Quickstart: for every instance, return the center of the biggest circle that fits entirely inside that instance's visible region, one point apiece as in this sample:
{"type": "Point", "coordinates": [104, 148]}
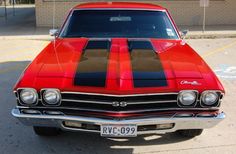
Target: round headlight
{"type": "Point", "coordinates": [187, 98]}
{"type": "Point", "coordinates": [209, 98]}
{"type": "Point", "coordinates": [52, 97]}
{"type": "Point", "coordinates": [28, 96]}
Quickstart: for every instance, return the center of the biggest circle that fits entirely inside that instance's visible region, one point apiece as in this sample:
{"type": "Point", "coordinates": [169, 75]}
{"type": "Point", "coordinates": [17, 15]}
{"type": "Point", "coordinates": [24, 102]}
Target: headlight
{"type": "Point", "coordinates": [52, 96]}
{"type": "Point", "coordinates": [187, 98]}
{"type": "Point", "coordinates": [28, 96]}
{"type": "Point", "coordinates": [209, 98]}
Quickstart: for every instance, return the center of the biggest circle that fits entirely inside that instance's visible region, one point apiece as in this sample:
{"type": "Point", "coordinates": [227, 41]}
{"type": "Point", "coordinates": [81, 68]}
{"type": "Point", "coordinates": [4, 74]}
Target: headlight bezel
{"type": "Point", "coordinates": [217, 103]}
{"type": "Point", "coordinates": [194, 104]}
{"type": "Point", "coordinates": [44, 102]}
{"type": "Point", "coordinates": [20, 100]}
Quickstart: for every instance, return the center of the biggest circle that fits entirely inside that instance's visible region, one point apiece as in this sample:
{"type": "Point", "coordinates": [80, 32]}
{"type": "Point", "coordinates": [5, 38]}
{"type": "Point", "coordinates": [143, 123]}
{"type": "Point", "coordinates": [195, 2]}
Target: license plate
{"type": "Point", "coordinates": [118, 130]}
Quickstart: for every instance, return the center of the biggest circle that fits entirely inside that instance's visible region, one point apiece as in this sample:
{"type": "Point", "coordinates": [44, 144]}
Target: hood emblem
{"type": "Point", "coordinates": [194, 83]}
{"type": "Point", "coordinates": [119, 104]}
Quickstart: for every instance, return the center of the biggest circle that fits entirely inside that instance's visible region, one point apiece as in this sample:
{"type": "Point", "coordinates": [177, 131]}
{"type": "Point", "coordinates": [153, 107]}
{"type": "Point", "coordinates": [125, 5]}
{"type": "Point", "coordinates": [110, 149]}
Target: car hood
{"type": "Point", "coordinates": [119, 66]}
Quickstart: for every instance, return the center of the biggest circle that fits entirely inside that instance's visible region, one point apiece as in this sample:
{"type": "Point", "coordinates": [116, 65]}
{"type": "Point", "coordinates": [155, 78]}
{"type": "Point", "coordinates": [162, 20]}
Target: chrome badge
{"type": "Point", "coordinates": [119, 104]}
{"type": "Point", "coordinates": [194, 83]}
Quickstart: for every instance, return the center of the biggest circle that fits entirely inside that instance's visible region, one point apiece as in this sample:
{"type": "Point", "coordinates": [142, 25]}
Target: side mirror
{"type": "Point", "coordinates": [53, 32]}
{"type": "Point", "coordinates": [184, 33]}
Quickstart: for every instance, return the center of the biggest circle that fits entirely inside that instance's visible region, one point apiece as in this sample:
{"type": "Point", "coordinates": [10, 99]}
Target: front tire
{"type": "Point", "coordinates": [46, 131]}
{"type": "Point", "coordinates": [190, 132]}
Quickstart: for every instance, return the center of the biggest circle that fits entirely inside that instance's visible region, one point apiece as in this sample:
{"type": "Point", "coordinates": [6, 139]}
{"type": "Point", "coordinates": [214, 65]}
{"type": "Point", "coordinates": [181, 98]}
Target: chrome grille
{"type": "Point", "coordinates": [102, 102]}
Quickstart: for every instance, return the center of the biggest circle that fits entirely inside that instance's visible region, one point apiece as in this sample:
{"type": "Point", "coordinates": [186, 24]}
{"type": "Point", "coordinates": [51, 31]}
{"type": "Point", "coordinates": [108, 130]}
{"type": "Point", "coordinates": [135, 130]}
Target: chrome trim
{"type": "Point", "coordinates": [110, 103]}
{"type": "Point", "coordinates": [85, 101]}
{"type": "Point", "coordinates": [152, 102]}
{"type": "Point", "coordinates": [64, 25]}
{"type": "Point", "coordinates": [22, 103]}
{"type": "Point", "coordinates": [132, 111]}
{"type": "Point", "coordinates": [30, 111]}
{"type": "Point", "coordinates": [194, 104]}
{"type": "Point", "coordinates": [114, 95]}
{"type": "Point", "coordinates": [141, 9]}
{"type": "Point", "coordinates": [22, 107]}
{"type": "Point", "coordinates": [183, 115]}
{"type": "Point", "coordinates": [205, 115]}
{"type": "Point", "coordinates": [173, 25]}
{"type": "Point", "coordinates": [180, 123]}
{"type": "Point", "coordinates": [219, 100]}
{"type": "Point", "coordinates": [42, 97]}
{"type": "Point", "coordinates": [53, 112]}
{"type": "Point", "coordinates": [100, 39]}
{"type": "Point", "coordinates": [78, 129]}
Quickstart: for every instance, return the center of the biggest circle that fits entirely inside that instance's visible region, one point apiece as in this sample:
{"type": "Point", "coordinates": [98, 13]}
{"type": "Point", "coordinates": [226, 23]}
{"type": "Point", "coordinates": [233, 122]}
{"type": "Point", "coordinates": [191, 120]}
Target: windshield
{"type": "Point", "coordinates": [119, 23]}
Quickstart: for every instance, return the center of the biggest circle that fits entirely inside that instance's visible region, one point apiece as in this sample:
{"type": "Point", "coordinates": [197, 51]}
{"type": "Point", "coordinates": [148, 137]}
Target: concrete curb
{"type": "Point", "coordinates": [28, 37]}
{"type": "Point", "coordinates": [210, 36]}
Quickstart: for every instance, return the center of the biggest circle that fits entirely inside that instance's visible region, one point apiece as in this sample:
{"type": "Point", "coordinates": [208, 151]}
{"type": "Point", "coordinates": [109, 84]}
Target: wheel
{"type": "Point", "coordinates": [190, 132]}
{"type": "Point", "coordinates": [47, 131]}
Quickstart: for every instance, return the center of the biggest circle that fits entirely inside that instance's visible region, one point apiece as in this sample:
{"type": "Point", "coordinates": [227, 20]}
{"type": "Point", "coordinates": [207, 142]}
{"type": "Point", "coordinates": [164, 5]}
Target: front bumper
{"type": "Point", "coordinates": [180, 123]}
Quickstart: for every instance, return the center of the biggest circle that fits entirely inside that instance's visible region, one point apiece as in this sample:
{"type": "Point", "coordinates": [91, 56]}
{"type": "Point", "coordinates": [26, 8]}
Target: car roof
{"type": "Point", "coordinates": [126, 5]}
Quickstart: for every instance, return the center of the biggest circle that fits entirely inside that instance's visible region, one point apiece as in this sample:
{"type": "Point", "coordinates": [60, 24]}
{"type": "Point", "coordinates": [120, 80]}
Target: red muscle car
{"type": "Point", "coordinates": [119, 69]}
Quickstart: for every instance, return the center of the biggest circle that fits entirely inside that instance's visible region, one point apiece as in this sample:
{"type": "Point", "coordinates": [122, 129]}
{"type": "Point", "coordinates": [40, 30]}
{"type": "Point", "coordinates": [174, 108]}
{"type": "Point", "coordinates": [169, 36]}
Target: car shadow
{"type": "Point", "coordinates": [141, 140]}
{"type": "Point", "coordinates": [90, 142]}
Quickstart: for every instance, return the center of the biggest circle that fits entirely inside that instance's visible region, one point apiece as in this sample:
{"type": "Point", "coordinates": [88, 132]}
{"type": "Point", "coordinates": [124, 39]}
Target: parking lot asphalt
{"type": "Point", "coordinates": [15, 55]}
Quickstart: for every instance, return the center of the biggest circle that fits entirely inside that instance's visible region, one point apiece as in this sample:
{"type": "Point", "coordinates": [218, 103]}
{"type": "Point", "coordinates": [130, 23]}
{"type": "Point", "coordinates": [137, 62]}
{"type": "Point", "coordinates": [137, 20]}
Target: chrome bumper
{"type": "Point", "coordinates": [179, 122]}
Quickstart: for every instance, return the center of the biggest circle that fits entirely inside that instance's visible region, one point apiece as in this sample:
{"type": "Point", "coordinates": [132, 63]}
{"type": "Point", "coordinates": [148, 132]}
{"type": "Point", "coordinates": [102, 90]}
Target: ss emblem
{"type": "Point", "coordinates": [119, 104]}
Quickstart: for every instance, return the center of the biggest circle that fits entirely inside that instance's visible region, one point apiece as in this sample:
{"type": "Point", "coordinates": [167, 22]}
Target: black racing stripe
{"type": "Point", "coordinates": [140, 45]}
{"type": "Point", "coordinates": [98, 44]}
{"type": "Point", "coordinates": [146, 65]}
{"type": "Point", "coordinates": [92, 68]}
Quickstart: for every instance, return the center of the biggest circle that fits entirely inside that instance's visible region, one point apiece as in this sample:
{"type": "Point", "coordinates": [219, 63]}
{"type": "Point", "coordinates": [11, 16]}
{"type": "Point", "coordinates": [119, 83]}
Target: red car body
{"type": "Point", "coordinates": [58, 69]}
{"type": "Point", "coordinates": [56, 66]}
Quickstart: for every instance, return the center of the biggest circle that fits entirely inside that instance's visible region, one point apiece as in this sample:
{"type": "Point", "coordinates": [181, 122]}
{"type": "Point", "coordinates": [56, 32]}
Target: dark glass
{"type": "Point", "coordinates": [119, 23]}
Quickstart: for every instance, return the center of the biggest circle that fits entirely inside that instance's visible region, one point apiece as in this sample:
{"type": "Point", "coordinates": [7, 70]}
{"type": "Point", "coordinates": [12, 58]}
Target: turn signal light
{"type": "Point", "coordinates": [165, 126]}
